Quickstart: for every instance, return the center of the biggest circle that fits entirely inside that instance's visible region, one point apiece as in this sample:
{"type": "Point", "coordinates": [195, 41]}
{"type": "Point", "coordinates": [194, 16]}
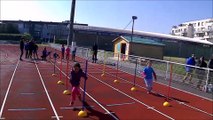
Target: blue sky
{"type": "Point", "coordinates": [153, 15]}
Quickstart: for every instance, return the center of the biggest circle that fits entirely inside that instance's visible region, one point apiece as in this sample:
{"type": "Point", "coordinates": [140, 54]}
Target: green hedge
{"type": "Point", "coordinates": [11, 36]}
{"type": "Point", "coordinates": [61, 41]}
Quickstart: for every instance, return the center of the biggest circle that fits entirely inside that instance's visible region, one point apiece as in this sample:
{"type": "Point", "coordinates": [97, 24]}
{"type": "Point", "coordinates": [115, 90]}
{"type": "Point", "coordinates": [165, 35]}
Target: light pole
{"type": "Point", "coordinates": [70, 39]}
{"type": "Point", "coordinates": [133, 22]}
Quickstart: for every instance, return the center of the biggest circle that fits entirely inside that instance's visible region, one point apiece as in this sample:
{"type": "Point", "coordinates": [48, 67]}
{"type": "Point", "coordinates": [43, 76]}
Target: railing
{"type": "Point", "coordinates": [197, 78]}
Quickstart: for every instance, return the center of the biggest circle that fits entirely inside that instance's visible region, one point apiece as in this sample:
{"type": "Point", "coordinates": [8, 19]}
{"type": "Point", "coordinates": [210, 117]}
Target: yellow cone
{"type": "Point", "coordinates": [166, 104]}
{"type": "Point", "coordinates": [133, 89]}
{"type": "Point", "coordinates": [67, 92]}
{"type": "Point", "coordinates": [116, 81]}
{"type": "Point", "coordinates": [82, 113]}
{"type": "Point", "coordinates": [60, 82]}
{"type": "Point", "coordinates": [53, 74]}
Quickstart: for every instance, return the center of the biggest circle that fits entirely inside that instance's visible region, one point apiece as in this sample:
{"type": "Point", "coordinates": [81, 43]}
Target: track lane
{"type": "Point", "coordinates": [26, 98]}
{"type": "Point", "coordinates": [112, 96]}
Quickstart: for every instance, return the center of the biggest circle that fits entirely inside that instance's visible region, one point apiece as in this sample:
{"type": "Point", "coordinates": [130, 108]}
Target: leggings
{"type": "Point", "coordinates": [75, 91]}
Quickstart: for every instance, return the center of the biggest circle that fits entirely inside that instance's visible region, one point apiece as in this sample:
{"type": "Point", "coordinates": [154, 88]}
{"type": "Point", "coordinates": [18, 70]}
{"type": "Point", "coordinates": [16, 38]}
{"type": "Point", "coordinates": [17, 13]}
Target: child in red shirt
{"type": "Point", "coordinates": [68, 53]}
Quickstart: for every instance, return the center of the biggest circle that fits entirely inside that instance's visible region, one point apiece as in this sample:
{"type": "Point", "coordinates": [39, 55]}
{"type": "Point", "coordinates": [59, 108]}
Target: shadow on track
{"type": "Point", "coordinates": [93, 112]}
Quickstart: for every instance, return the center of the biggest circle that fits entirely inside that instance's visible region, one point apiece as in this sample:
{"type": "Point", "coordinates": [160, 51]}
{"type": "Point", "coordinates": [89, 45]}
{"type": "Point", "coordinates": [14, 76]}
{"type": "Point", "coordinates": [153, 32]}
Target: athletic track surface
{"type": "Point", "coordinates": [30, 92]}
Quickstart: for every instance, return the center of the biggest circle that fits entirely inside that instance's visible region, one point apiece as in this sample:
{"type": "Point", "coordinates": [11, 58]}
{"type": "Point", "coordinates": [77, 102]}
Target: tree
{"type": "Point", "coordinates": [27, 36]}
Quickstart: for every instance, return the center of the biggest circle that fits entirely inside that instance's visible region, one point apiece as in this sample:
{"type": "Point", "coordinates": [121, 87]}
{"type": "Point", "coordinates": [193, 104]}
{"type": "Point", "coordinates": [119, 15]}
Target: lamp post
{"type": "Point", "coordinates": [70, 39]}
{"type": "Point", "coordinates": [133, 22]}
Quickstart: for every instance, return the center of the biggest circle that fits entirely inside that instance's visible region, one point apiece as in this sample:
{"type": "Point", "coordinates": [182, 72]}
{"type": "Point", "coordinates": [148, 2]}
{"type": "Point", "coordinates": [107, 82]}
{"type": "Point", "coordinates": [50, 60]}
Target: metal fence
{"type": "Point", "coordinates": [197, 78]}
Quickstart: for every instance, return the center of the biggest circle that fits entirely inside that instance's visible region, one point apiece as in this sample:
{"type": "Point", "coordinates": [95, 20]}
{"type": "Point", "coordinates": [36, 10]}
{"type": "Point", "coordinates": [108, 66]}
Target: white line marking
{"type": "Point", "coordinates": [53, 117]}
{"type": "Point", "coordinates": [90, 96]}
{"type": "Point", "coordinates": [192, 107]}
{"type": "Point", "coordinates": [42, 81]}
{"type": "Point", "coordinates": [211, 100]}
{"type": "Point", "coordinates": [27, 93]}
{"type": "Point", "coordinates": [108, 113]}
{"type": "Point", "coordinates": [131, 97]}
{"type": "Point", "coordinates": [78, 107]}
{"type": "Point", "coordinates": [120, 104]}
{"type": "Point", "coordinates": [8, 89]}
{"type": "Point", "coordinates": [26, 109]}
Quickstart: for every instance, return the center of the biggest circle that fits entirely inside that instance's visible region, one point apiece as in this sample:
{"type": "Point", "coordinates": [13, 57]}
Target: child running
{"type": "Point", "coordinates": [76, 75]}
{"type": "Point", "coordinates": [147, 74]}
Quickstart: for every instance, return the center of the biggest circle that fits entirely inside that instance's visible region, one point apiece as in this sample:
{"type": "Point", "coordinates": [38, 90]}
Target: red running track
{"type": "Point", "coordinates": [28, 99]}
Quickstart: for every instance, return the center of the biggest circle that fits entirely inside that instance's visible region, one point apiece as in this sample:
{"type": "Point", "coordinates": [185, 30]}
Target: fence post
{"type": "Point", "coordinates": [207, 80]}
{"type": "Point", "coordinates": [167, 69]}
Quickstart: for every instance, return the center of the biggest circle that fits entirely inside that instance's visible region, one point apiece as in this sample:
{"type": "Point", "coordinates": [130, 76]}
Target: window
{"type": "Point", "coordinates": [198, 24]}
{"type": "Point", "coordinates": [209, 27]}
{"type": "Point", "coordinates": [185, 30]}
{"type": "Point", "coordinates": [202, 24]}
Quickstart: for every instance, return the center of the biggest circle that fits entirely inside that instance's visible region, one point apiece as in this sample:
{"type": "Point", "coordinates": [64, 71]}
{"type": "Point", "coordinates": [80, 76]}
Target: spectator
{"type": "Point", "coordinates": [210, 65]}
{"type": "Point", "coordinates": [45, 54]}
{"type": "Point", "coordinates": [31, 46]}
{"type": "Point", "coordinates": [201, 72]}
{"type": "Point", "coordinates": [95, 52]}
{"type": "Point", "coordinates": [189, 70]}
{"type": "Point", "coordinates": [26, 49]}
{"type": "Point", "coordinates": [68, 53]}
{"type": "Point", "coordinates": [35, 51]}
{"type": "Point", "coordinates": [21, 48]}
{"type": "Point", "coordinates": [62, 51]}
{"type": "Point", "coordinates": [73, 53]}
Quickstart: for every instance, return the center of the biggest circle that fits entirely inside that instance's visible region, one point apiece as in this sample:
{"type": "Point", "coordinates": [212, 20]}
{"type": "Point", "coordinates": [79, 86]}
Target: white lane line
{"type": "Point", "coordinates": [192, 107]}
{"type": "Point", "coordinates": [90, 96]}
{"type": "Point", "coordinates": [78, 107]}
{"type": "Point", "coordinates": [120, 104]}
{"type": "Point", "coordinates": [187, 105]}
{"type": "Point", "coordinates": [8, 89]}
{"type": "Point", "coordinates": [26, 109]}
{"type": "Point", "coordinates": [211, 100]}
{"type": "Point", "coordinates": [165, 115]}
{"type": "Point", "coordinates": [54, 117]}
{"type": "Point", "coordinates": [51, 103]}
{"type": "Point", "coordinates": [26, 93]}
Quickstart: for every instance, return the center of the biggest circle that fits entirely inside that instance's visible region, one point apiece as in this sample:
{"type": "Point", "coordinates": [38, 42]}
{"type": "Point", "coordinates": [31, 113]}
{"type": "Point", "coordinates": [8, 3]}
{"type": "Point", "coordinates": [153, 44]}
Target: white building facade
{"type": "Point", "coordinates": [200, 29]}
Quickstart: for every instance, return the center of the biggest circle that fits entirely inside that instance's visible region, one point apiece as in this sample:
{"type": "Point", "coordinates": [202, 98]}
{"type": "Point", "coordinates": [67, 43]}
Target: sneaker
{"type": "Point", "coordinates": [79, 97]}
{"type": "Point", "coordinates": [71, 103]}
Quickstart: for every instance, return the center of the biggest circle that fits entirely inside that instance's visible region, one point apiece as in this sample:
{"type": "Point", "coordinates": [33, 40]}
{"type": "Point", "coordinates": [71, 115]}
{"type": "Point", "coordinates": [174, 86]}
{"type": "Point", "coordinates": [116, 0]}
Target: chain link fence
{"type": "Point", "coordinates": [196, 78]}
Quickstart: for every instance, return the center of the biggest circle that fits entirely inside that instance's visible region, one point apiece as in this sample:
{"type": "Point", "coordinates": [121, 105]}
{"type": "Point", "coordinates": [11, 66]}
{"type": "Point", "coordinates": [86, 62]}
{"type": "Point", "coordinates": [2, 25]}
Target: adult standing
{"type": "Point", "coordinates": [201, 72]}
{"type": "Point", "coordinates": [31, 47]}
{"type": "Point", "coordinates": [189, 70]}
{"type": "Point", "coordinates": [95, 52]}
{"type": "Point", "coordinates": [26, 49]}
{"type": "Point", "coordinates": [35, 50]}
{"type": "Point", "coordinates": [21, 48]}
{"type": "Point", "coordinates": [210, 65]}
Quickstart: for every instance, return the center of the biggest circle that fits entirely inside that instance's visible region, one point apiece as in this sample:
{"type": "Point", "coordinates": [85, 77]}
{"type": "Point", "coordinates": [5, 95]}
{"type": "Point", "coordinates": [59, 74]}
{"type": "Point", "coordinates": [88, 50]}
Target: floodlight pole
{"type": "Point", "coordinates": [71, 31]}
{"type": "Point", "coordinates": [133, 22]}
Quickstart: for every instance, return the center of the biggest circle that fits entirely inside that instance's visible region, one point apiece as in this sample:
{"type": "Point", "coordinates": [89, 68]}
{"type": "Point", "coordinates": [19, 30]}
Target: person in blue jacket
{"type": "Point", "coordinates": [189, 70]}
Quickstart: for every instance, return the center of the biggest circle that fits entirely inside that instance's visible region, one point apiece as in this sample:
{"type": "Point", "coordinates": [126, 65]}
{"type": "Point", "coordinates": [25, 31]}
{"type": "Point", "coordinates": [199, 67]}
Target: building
{"type": "Point", "coordinates": [200, 29]}
{"type": "Point", "coordinates": [40, 30]}
{"type": "Point", "coordinates": [86, 36]}
{"type": "Point", "coordinates": [138, 46]}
